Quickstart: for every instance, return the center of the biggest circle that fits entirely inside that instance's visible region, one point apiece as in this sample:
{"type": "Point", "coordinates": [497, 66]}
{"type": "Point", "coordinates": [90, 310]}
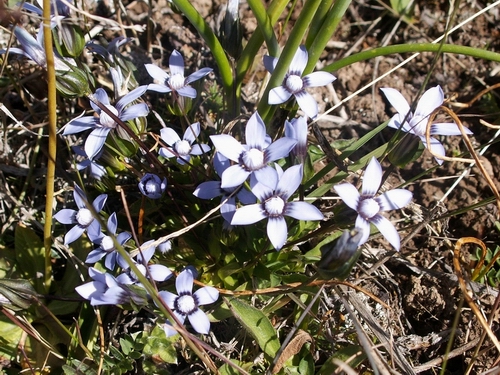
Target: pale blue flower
{"type": "Point", "coordinates": [107, 247]}
{"type": "Point", "coordinates": [102, 123]}
{"type": "Point", "coordinates": [96, 171]}
{"type": "Point", "coordinates": [34, 49]}
{"type": "Point", "coordinates": [416, 123]}
{"type": "Point", "coordinates": [186, 303]}
{"type": "Point", "coordinates": [369, 207]}
{"type": "Point", "coordinates": [294, 84]}
{"type": "Point", "coordinates": [107, 290]}
{"type": "Point", "coordinates": [183, 148]}
{"type": "Point", "coordinates": [83, 218]}
{"type": "Point", "coordinates": [57, 8]}
{"type": "Point", "coordinates": [157, 272]}
{"type": "Point", "coordinates": [212, 189]}
{"type": "Point", "coordinates": [273, 194]}
{"type": "Point", "coordinates": [111, 51]}
{"type": "Point", "coordinates": [175, 82]}
{"type": "Point", "coordinates": [252, 158]}
{"type": "Point", "coordinates": [152, 186]}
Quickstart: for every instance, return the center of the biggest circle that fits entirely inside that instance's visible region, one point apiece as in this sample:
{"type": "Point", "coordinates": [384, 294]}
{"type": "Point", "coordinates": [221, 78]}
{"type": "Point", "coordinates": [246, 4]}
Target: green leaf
{"type": "Point", "coordinates": [257, 324]}
{"type": "Point", "coordinates": [11, 335]}
{"type": "Point", "coordinates": [157, 344]}
{"type": "Point", "coordinates": [30, 256]}
{"type": "Point", "coordinates": [353, 355]}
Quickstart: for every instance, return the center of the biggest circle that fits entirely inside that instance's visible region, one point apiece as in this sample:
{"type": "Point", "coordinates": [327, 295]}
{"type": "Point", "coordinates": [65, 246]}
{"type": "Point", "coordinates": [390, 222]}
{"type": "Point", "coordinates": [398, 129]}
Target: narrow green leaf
{"type": "Point", "coordinates": [257, 324]}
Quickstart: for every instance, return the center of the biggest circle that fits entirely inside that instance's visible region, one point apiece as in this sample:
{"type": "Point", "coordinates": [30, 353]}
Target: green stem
{"type": "Point", "coordinates": [328, 27]}
{"type": "Point", "coordinates": [413, 48]}
{"type": "Point", "coordinates": [318, 21]}
{"type": "Point", "coordinates": [247, 58]}
{"type": "Point", "coordinates": [213, 44]}
{"type": "Point", "coordinates": [265, 26]}
{"type": "Point", "coordinates": [52, 147]}
{"type": "Point", "coordinates": [297, 34]}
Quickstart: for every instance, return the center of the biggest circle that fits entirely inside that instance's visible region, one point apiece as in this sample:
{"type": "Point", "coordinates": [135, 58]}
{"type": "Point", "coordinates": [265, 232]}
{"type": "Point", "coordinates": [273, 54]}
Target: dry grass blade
{"type": "Point", "coordinates": [465, 291]}
{"type": "Point", "coordinates": [291, 349]}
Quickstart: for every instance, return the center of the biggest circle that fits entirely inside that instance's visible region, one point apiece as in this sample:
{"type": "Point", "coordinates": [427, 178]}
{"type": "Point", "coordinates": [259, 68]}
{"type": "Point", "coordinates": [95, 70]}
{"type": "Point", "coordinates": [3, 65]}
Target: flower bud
{"type": "Point", "coordinates": [69, 40]}
{"type": "Point", "coordinates": [152, 186]}
{"type": "Point", "coordinates": [230, 30]}
{"type": "Point", "coordinates": [16, 294]}
{"type": "Point", "coordinates": [72, 83]}
{"type": "Point", "coordinates": [337, 261]}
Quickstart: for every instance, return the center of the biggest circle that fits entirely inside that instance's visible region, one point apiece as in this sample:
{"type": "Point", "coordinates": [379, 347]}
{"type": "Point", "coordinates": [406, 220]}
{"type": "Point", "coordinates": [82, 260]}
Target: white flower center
{"type": "Point", "coordinates": [84, 217]}
{"type": "Point", "coordinates": [107, 244]}
{"type": "Point", "coordinates": [176, 81]}
{"type": "Point", "coordinates": [185, 304]}
{"type": "Point", "coordinates": [274, 206]}
{"type": "Point", "coordinates": [106, 120]}
{"type": "Point", "coordinates": [152, 187]}
{"type": "Point", "coordinates": [368, 208]}
{"type": "Point", "coordinates": [253, 159]}
{"type": "Point", "coordinates": [183, 148]}
{"type": "Point", "coordinates": [294, 83]}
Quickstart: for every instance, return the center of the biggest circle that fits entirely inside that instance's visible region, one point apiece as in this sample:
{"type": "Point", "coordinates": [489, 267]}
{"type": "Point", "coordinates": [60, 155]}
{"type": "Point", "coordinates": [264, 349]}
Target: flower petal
{"type": "Point", "coordinates": [206, 295]}
{"type": "Point", "coordinates": [157, 74]}
{"type": "Point", "coordinates": [372, 178]}
{"type": "Point", "coordinates": [228, 146]}
{"type": "Point", "coordinates": [279, 149]}
{"type": "Point", "coordinates": [95, 141]}
{"type": "Point", "coordinates": [112, 223]}
{"type": "Point", "coordinates": [303, 211]}
{"type": "Point", "coordinates": [349, 194]}
{"type": "Point", "coordinates": [234, 176]}
{"type": "Point", "coordinates": [197, 75]}
{"type": "Point", "coordinates": [208, 190]}
{"type": "Point", "coordinates": [80, 124]}
{"type": "Point", "coordinates": [184, 282]}
{"type": "Point", "coordinates": [447, 128]}
{"type": "Point", "coordinates": [270, 63]}
{"type": "Point", "coordinates": [289, 181]}
{"type": "Point", "coordinates": [192, 132]}
{"type": "Point", "coordinates": [200, 149]}
{"type": "Point", "coordinates": [394, 199]}
{"type": "Point", "coordinates": [95, 255]}
{"type": "Point", "coordinates": [365, 229]}
{"type": "Point", "coordinates": [158, 88]}
{"type": "Point", "coordinates": [168, 298]}
{"type": "Point", "coordinates": [91, 289]}
{"type": "Point", "coordinates": [248, 214]}
{"type": "Point", "coordinates": [169, 136]}
{"type": "Point", "coordinates": [278, 95]}
{"type": "Point", "coordinates": [66, 216]}
{"type": "Point", "coordinates": [73, 234]}
{"type": "Point", "coordinates": [430, 100]}
{"type": "Point", "coordinates": [135, 111]}
{"type": "Point", "coordinates": [299, 61]}
{"type": "Point", "coordinates": [307, 103]}
{"type": "Point", "coordinates": [397, 100]}
{"type": "Point", "coordinates": [187, 91]}
{"type": "Point", "coordinates": [388, 230]}
{"type": "Point", "coordinates": [277, 231]}
{"type": "Point", "coordinates": [318, 79]}
{"type": "Point", "coordinates": [255, 132]}
{"type": "Point", "coordinates": [437, 148]}
{"type": "Point", "coordinates": [159, 273]}
{"type": "Point", "coordinates": [176, 63]}
{"type": "Point", "coordinates": [266, 176]}
{"type": "Point", "coordinates": [199, 321]}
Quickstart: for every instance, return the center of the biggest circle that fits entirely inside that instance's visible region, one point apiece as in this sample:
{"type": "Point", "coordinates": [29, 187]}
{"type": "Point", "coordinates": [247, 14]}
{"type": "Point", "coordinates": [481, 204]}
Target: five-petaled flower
{"type": "Point", "coordinates": [273, 194]}
{"type": "Point", "coordinates": [182, 148]}
{"type": "Point", "coordinates": [157, 272]}
{"type": "Point", "coordinates": [186, 303]}
{"type": "Point", "coordinates": [294, 84]}
{"type": "Point", "coordinates": [416, 123]}
{"type": "Point", "coordinates": [102, 123]}
{"type": "Point", "coordinates": [107, 290]}
{"type": "Point", "coordinates": [82, 218]}
{"type": "Point", "coordinates": [212, 189]}
{"type": "Point", "coordinates": [369, 207]}
{"type": "Point", "coordinates": [252, 158]}
{"type": "Point", "coordinates": [152, 186]}
{"type": "Point", "coordinates": [107, 246]}
{"type": "Point", "coordinates": [175, 82]}
{"type": "Point", "coordinates": [96, 171]}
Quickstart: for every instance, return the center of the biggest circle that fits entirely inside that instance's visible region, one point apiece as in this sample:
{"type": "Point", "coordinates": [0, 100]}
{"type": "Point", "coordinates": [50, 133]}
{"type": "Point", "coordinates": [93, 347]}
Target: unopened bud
{"type": "Point", "coordinates": [72, 83]}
